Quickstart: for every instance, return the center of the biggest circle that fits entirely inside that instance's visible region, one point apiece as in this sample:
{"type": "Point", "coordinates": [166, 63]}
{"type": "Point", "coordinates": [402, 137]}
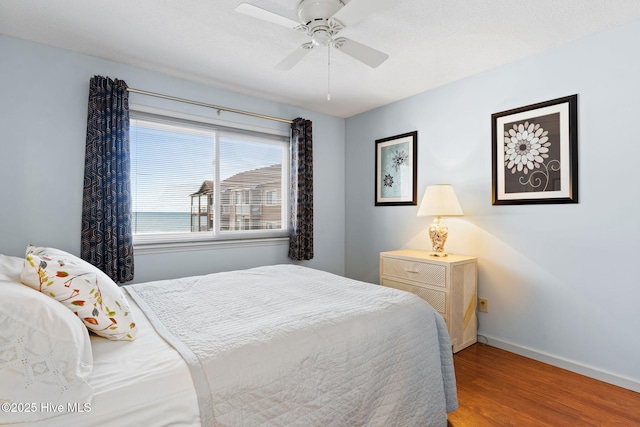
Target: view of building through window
{"type": "Point", "coordinates": [173, 179]}
{"type": "Point", "coordinates": [248, 201]}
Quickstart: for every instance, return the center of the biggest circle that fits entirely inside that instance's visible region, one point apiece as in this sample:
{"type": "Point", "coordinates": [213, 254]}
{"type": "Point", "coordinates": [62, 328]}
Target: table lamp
{"type": "Point", "coordinates": [439, 200]}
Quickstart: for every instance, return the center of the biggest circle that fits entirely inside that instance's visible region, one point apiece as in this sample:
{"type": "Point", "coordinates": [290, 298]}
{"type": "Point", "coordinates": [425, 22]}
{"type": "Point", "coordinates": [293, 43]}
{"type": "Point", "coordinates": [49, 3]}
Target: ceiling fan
{"type": "Point", "coordinates": [322, 20]}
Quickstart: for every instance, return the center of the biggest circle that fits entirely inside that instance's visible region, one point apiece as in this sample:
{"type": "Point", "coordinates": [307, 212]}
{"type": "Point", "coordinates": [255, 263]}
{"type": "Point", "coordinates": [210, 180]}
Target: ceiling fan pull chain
{"type": "Point", "coordinates": [329, 72]}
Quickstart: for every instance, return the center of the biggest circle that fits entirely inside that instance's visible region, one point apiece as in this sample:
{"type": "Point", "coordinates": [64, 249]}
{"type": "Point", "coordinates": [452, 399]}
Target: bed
{"type": "Point", "coordinates": [281, 345]}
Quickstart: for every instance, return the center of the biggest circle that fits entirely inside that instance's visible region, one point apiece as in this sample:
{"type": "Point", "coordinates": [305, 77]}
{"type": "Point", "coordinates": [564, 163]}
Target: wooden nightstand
{"type": "Point", "coordinates": [448, 283]}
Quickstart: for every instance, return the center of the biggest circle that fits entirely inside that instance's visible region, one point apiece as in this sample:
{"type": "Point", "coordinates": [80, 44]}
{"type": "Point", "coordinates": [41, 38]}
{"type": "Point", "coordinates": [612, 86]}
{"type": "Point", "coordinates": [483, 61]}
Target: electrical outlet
{"type": "Point", "coordinates": [483, 305]}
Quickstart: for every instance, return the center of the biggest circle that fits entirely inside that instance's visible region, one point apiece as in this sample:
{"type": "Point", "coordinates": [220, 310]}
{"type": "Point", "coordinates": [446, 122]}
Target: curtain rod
{"type": "Point", "coordinates": [215, 107]}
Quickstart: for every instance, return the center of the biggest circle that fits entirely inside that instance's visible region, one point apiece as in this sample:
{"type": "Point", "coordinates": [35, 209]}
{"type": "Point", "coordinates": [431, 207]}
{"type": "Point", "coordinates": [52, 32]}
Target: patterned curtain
{"type": "Point", "coordinates": [301, 219]}
{"type": "Point", "coordinates": [107, 240]}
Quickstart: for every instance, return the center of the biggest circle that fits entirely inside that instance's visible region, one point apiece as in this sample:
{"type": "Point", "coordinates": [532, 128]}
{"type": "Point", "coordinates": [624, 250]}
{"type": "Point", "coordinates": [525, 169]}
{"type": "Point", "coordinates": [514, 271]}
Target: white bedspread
{"type": "Point", "coordinates": [292, 346]}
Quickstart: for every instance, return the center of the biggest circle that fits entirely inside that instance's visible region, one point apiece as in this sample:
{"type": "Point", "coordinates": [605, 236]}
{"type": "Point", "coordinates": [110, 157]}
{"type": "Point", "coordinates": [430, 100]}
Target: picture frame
{"type": "Point", "coordinates": [396, 170]}
{"type": "Point", "coordinates": [535, 153]}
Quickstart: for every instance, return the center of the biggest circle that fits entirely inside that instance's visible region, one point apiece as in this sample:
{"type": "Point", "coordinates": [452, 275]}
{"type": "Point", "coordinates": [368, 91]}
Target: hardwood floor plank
{"type": "Point", "coordinates": [499, 388]}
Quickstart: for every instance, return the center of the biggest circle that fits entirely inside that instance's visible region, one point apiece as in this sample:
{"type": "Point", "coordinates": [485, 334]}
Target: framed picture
{"type": "Point", "coordinates": [396, 170]}
{"type": "Point", "coordinates": [535, 153]}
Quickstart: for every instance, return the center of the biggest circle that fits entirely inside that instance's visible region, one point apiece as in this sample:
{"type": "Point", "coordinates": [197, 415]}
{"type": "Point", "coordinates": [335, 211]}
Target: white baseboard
{"type": "Point", "coordinates": [569, 365]}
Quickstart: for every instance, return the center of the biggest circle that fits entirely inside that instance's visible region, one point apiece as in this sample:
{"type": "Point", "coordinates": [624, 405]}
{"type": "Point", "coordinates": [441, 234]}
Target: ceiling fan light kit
{"type": "Point", "coordinates": [322, 20]}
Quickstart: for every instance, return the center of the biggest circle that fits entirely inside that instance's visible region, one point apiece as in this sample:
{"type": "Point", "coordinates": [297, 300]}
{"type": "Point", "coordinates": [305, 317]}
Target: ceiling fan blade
{"type": "Point", "coordinates": [294, 57]}
{"type": "Point", "coordinates": [356, 10]}
{"type": "Point", "coordinates": [265, 15]}
{"type": "Point", "coordinates": [362, 53]}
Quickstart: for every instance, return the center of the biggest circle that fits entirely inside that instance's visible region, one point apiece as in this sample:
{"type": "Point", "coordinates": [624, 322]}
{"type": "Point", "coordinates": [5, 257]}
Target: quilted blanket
{"type": "Point", "coordinates": [292, 346]}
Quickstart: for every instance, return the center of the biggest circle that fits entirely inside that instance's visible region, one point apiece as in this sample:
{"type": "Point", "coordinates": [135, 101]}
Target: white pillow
{"type": "Point", "coordinates": [45, 355]}
{"type": "Point", "coordinates": [10, 267]}
{"type": "Point", "coordinates": [82, 288]}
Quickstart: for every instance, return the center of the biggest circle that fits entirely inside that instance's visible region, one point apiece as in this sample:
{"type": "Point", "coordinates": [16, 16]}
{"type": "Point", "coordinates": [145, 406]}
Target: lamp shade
{"type": "Point", "coordinates": [440, 200]}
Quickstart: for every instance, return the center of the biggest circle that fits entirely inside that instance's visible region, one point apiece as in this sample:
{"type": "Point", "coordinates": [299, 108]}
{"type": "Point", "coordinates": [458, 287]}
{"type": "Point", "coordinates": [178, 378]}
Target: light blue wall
{"type": "Point", "coordinates": [561, 280]}
{"type": "Point", "coordinates": [43, 113]}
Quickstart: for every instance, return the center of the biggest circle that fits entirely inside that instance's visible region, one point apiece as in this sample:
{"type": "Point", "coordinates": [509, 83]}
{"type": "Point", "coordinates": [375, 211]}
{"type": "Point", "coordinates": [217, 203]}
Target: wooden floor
{"type": "Point", "coordinates": [498, 388]}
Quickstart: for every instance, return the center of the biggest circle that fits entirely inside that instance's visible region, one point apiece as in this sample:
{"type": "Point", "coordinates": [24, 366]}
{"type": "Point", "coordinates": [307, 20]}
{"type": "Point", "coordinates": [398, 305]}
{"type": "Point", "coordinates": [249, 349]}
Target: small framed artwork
{"type": "Point", "coordinates": [535, 153]}
{"type": "Point", "coordinates": [396, 170]}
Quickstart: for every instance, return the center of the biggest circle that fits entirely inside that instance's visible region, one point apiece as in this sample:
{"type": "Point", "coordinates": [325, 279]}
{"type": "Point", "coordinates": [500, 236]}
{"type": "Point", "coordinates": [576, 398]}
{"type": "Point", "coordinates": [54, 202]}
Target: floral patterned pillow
{"type": "Point", "coordinates": [82, 288]}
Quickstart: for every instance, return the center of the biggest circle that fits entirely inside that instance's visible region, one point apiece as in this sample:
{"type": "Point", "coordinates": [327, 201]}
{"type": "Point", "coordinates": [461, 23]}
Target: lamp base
{"type": "Point", "coordinates": [438, 232]}
{"type": "Point", "coordinates": [438, 254]}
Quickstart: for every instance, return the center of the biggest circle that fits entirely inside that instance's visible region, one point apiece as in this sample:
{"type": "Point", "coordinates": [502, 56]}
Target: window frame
{"type": "Point", "coordinates": [186, 241]}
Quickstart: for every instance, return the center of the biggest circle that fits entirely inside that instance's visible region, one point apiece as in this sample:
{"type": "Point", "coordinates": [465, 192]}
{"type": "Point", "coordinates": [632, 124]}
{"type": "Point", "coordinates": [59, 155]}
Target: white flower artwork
{"type": "Point", "coordinates": [534, 151]}
{"type": "Point", "coordinates": [526, 146]}
{"type": "Point", "coordinates": [527, 152]}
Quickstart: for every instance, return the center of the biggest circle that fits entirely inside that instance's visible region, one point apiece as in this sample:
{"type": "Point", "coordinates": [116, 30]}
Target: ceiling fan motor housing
{"type": "Point", "coordinates": [316, 10]}
{"type": "Point", "coordinates": [315, 14]}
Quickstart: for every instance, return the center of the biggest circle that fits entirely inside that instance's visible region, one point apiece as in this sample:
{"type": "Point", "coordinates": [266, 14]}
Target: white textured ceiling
{"type": "Point", "coordinates": [430, 42]}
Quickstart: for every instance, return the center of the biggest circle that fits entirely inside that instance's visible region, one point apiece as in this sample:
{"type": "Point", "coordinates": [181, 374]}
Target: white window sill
{"type": "Point", "coordinates": [145, 245]}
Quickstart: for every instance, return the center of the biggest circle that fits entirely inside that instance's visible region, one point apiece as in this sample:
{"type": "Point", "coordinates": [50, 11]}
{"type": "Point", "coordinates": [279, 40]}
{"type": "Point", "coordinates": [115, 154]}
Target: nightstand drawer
{"type": "Point", "coordinates": [430, 274]}
{"type": "Point", "coordinates": [437, 299]}
{"type": "Point", "coordinates": [449, 284]}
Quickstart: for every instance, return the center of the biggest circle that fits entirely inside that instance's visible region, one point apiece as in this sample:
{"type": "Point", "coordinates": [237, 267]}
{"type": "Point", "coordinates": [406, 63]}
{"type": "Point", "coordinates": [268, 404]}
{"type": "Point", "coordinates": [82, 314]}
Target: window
{"type": "Point", "coordinates": [192, 181]}
{"type": "Point", "coordinates": [271, 196]}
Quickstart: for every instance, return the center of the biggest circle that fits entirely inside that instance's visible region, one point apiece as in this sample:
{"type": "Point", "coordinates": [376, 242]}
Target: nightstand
{"type": "Point", "coordinates": [448, 283]}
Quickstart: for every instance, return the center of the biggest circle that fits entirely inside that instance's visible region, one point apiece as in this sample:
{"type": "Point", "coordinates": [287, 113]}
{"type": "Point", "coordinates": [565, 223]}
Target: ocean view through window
{"type": "Point", "coordinates": [196, 181]}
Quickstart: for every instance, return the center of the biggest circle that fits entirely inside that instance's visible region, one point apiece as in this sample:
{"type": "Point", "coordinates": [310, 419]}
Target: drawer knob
{"type": "Point", "coordinates": [412, 271]}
